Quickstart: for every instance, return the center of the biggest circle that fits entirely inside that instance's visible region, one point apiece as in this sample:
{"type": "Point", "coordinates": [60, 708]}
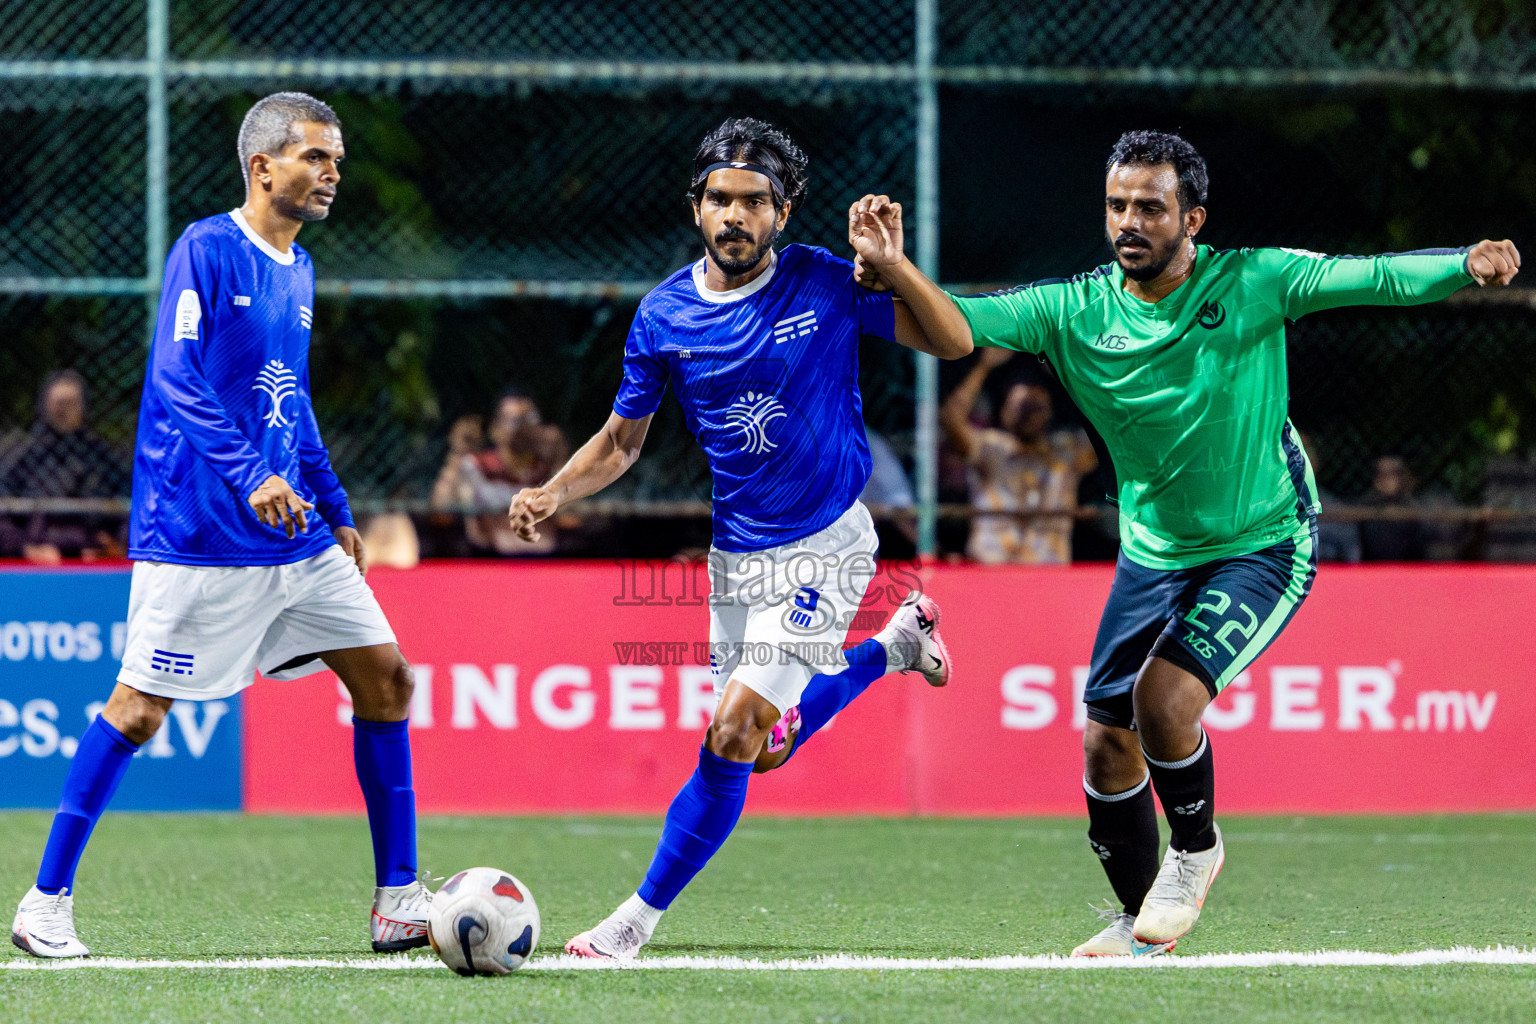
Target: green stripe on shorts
{"type": "Point", "coordinates": [1295, 591]}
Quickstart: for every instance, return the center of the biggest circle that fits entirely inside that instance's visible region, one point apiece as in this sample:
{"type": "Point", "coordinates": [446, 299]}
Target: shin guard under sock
{"type": "Point", "coordinates": [702, 815]}
{"type": "Point", "coordinates": [825, 695]}
{"type": "Point", "coordinates": [381, 752]}
{"type": "Point", "coordinates": [1187, 791]}
{"type": "Point", "coordinates": [98, 766]}
{"type": "Point", "coordinates": [1122, 829]}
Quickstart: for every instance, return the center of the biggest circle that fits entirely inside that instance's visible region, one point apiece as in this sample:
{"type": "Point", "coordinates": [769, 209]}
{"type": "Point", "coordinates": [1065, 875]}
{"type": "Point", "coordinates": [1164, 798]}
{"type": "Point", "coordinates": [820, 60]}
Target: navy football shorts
{"type": "Point", "coordinates": [1212, 620]}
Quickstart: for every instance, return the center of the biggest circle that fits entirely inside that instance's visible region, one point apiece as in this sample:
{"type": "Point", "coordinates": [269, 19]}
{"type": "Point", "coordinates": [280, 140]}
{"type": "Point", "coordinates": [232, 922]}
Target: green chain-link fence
{"type": "Point", "coordinates": [515, 175]}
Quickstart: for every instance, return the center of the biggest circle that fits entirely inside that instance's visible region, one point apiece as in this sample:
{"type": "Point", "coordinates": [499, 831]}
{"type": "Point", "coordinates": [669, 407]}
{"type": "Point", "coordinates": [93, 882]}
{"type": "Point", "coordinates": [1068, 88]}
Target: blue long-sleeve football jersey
{"type": "Point", "coordinates": [226, 405]}
{"type": "Point", "coordinates": [768, 377]}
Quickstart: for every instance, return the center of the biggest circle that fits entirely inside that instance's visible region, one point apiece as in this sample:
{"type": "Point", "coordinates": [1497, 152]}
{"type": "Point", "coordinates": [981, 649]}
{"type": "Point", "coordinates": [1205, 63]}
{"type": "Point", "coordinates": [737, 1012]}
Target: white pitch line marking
{"type": "Point", "coordinates": [1498, 955]}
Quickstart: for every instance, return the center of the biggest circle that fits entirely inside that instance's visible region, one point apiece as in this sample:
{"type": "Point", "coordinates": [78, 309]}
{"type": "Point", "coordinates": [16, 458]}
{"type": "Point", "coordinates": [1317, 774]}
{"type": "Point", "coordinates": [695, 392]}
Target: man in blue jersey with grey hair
{"type": "Point", "coordinates": [761, 346]}
{"type": "Point", "coordinates": [247, 557]}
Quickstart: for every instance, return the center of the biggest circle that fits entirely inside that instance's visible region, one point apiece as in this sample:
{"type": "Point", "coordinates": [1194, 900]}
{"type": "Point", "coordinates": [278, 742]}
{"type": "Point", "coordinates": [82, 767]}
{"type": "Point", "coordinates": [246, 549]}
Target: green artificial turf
{"type": "Point", "coordinates": [197, 886]}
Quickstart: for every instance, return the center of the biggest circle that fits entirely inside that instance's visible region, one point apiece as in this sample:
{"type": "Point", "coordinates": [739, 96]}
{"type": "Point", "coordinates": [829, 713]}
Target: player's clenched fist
{"type": "Point", "coordinates": [1493, 262]}
{"type": "Point", "coordinates": [529, 506]}
{"type": "Point", "coordinates": [276, 504]}
{"type": "Point", "coordinates": [874, 230]}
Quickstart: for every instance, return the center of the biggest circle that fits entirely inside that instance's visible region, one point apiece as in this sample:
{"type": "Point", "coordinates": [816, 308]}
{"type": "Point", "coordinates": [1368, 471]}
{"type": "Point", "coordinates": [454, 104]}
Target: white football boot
{"type": "Point", "coordinates": [399, 919]}
{"type": "Point", "coordinates": [912, 642]}
{"type": "Point", "coordinates": [1116, 939]}
{"type": "Point", "coordinates": [616, 938]}
{"type": "Point", "coordinates": [1173, 905]}
{"type": "Point", "coordinates": [45, 925]}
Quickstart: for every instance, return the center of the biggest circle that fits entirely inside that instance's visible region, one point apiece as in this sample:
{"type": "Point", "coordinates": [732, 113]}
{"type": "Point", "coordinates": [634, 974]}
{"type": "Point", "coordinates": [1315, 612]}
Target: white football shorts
{"type": "Point", "coordinates": [780, 616]}
{"type": "Point", "coordinates": [200, 632]}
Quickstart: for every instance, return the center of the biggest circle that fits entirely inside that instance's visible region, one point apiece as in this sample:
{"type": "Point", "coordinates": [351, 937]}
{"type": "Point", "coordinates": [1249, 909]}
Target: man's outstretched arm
{"type": "Point", "coordinates": [1312, 282]}
{"type": "Point", "coordinates": [926, 318]}
{"type": "Point", "coordinates": [596, 464]}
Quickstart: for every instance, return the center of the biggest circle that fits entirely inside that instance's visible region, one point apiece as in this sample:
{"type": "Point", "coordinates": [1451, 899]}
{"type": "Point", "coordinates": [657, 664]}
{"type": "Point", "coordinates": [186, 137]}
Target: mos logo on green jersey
{"type": "Point", "coordinates": [1211, 316]}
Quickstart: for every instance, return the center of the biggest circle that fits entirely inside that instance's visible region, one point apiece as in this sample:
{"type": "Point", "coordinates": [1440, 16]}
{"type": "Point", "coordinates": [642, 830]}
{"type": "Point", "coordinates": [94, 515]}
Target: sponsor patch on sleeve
{"type": "Point", "coordinates": [189, 313]}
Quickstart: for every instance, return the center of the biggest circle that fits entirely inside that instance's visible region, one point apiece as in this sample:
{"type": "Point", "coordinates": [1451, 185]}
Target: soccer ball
{"type": "Point", "coordinates": [483, 921]}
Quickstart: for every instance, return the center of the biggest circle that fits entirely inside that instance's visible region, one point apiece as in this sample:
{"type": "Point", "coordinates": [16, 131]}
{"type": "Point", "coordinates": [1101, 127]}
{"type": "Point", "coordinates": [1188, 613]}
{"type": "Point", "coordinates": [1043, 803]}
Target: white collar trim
{"type": "Point", "coordinates": [285, 258]}
{"type": "Point", "coordinates": [735, 294]}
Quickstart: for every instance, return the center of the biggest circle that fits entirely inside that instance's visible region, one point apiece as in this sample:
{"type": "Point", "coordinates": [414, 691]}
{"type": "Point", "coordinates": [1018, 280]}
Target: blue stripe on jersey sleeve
{"type": "Point", "coordinates": [1410, 252]}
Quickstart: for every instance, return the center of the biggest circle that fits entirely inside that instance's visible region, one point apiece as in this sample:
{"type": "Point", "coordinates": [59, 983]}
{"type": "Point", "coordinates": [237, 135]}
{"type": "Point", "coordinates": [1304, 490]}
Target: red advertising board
{"type": "Point", "coordinates": [546, 687]}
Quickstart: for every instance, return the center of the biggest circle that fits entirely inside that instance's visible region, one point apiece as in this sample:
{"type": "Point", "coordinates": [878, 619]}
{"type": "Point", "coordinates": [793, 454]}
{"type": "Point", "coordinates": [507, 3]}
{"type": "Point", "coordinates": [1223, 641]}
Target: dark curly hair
{"type": "Point", "coordinates": [1145, 147]}
{"type": "Point", "coordinates": [755, 142]}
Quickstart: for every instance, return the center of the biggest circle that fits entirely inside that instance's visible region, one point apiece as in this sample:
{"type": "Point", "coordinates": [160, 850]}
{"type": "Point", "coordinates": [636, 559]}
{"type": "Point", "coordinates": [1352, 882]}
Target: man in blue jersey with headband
{"type": "Point", "coordinates": [246, 554]}
{"type": "Point", "coordinates": [761, 346]}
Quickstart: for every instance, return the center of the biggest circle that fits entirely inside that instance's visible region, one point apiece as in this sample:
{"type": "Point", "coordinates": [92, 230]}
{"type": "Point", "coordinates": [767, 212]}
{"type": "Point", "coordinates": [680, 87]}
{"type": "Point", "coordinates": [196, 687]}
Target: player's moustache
{"type": "Point", "coordinates": [733, 235]}
{"type": "Point", "coordinates": [1132, 240]}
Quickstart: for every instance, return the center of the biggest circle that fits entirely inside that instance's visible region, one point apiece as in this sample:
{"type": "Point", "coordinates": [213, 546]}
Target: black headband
{"type": "Point", "coordinates": [741, 166]}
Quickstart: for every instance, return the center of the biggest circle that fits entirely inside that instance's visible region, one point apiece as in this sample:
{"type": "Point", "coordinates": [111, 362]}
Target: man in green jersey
{"type": "Point", "coordinates": [1176, 353]}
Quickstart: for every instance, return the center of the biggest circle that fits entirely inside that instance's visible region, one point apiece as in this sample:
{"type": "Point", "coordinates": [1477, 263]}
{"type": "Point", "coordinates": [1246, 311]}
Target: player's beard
{"type": "Point", "coordinates": [1158, 256]}
{"type": "Point", "coordinates": [735, 268]}
{"type": "Point", "coordinates": [301, 209]}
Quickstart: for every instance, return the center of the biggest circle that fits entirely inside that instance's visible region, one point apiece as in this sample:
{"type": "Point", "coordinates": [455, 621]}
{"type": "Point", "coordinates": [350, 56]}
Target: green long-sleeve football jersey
{"type": "Point", "coordinates": [1190, 393]}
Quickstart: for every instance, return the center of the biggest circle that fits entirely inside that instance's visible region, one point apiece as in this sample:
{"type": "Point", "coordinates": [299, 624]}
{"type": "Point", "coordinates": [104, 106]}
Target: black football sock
{"type": "Point", "coordinates": [1122, 829]}
{"type": "Point", "coordinates": [1187, 790]}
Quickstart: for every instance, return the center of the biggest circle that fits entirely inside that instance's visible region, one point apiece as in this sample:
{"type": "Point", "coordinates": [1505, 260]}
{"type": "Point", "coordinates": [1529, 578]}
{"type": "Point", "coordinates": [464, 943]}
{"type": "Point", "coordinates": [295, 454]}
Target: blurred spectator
{"type": "Point", "coordinates": [391, 540]}
{"type": "Point", "coordinates": [1021, 465]}
{"type": "Point", "coordinates": [1510, 486]}
{"type": "Point", "coordinates": [61, 458]}
{"type": "Point", "coordinates": [888, 492]}
{"type": "Point", "coordinates": [1336, 541]}
{"type": "Point", "coordinates": [1391, 539]}
{"type": "Point", "coordinates": [480, 479]}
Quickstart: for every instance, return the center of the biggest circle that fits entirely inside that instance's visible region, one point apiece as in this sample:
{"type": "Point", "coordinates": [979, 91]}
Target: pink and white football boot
{"type": "Point", "coordinates": [616, 938]}
{"type": "Point", "coordinates": [912, 642]}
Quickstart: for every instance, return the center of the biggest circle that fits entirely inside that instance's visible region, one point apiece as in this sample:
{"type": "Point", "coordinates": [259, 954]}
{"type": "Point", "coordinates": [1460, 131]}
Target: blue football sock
{"type": "Point", "coordinates": [701, 816]}
{"type": "Point", "coordinates": [382, 753]}
{"type": "Point", "coordinates": [826, 695]}
{"type": "Point", "coordinates": [97, 768]}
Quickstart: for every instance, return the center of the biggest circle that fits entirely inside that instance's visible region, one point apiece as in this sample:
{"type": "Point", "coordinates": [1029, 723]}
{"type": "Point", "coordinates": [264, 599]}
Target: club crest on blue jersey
{"type": "Point", "coordinates": [751, 413]}
{"type": "Point", "coordinates": [278, 382]}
